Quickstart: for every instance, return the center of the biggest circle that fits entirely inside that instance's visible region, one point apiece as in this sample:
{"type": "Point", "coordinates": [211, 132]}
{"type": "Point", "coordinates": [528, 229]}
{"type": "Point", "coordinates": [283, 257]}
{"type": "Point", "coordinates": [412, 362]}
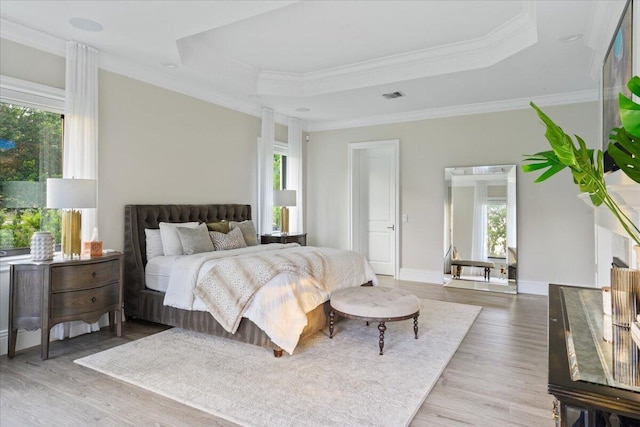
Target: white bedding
{"type": "Point", "coordinates": [279, 308]}
{"type": "Point", "coordinates": [158, 271]}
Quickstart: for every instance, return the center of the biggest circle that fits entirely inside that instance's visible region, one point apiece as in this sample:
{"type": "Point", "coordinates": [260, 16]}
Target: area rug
{"type": "Point", "coordinates": [326, 382]}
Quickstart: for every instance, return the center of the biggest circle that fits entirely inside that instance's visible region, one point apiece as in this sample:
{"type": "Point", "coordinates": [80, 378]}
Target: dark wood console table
{"type": "Point", "coordinates": [594, 381]}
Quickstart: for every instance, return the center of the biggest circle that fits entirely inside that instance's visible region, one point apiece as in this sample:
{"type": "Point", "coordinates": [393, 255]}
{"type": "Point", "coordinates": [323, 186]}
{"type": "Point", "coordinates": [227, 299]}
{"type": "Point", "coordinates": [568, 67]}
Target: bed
{"type": "Point", "coordinates": [142, 302]}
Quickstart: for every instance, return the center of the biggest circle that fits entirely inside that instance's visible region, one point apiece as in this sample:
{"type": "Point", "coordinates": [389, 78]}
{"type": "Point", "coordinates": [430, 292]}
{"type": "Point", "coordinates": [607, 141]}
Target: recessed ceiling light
{"type": "Point", "coordinates": [170, 65]}
{"type": "Point", "coordinates": [303, 110]}
{"type": "Point", "coordinates": [85, 24]}
{"type": "Point", "coordinates": [571, 38]}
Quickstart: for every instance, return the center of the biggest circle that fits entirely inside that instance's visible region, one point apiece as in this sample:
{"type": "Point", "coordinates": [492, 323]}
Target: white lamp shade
{"type": "Point", "coordinates": [284, 198]}
{"type": "Point", "coordinates": [63, 193]}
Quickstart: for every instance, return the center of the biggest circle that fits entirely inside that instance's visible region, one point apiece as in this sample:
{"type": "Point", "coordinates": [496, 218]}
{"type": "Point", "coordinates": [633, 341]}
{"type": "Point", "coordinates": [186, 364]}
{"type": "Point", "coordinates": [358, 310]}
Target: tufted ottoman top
{"type": "Point", "coordinates": [375, 302]}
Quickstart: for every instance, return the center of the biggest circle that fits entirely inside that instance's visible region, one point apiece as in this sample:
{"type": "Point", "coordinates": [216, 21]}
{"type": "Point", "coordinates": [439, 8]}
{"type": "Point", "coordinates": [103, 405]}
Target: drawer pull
{"type": "Point", "coordinates": [93, 299]}
{"type": "Point", "coordinates": [93, 274]}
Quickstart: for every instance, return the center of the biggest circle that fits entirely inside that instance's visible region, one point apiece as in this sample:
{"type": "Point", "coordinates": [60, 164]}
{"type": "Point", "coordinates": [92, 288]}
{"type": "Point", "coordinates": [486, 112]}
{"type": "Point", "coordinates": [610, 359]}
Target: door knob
{"type": "Point", "coordinates": [393, 227]}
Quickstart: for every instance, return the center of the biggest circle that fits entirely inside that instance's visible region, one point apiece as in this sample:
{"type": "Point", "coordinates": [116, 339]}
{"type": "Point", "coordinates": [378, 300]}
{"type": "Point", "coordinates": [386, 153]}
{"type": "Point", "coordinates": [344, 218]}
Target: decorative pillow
{"type": "Point", "coordinates": [232, 240]}
{"type": "Point", "coordinates": [195, 240]}
{"type": "Point", "coordinates": [153, 243]}
{"type": "Point", "coordinates": [248, 231]}
{"type": "Point", "coordinates": [220, 227]}
{"type": "Point", "coordinates": [170, 239]}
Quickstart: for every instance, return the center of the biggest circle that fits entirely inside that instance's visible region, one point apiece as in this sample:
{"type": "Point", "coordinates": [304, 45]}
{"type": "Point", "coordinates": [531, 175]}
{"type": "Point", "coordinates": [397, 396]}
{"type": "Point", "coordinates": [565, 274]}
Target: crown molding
{"type": "Point", "coordinates": [511, 37]}
{"type": "Point", "coordinates": [459, 110]}
{"type": "Point", "coordinates": [27, 35]}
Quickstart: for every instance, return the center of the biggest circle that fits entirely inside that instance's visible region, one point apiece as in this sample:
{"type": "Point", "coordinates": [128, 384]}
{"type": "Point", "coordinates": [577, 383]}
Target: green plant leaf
{"type": "Point", "coordinates": [630, 115]}
{"type": "Point", "coordinates": [624, 149]}
{"type": "Point", "coordinates": [629, 110]}
{"type": "Point", "coordinates": [634, 85]}
{"type": "Point", "coordinates": [554, 169]}
{"type": "Point", "coordinates": [560, 142]}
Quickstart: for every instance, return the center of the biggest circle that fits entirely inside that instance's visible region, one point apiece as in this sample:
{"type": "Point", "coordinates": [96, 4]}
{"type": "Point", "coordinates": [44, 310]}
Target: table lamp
{"type": "Point", "coordinates": [284, 198]}
{"type": "Point", "coordinates": [70, 195]}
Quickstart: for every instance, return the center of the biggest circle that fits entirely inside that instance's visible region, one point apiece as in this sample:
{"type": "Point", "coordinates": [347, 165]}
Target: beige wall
{"type": "Point", "coordinates": [33, 65]}
{"type": "Point", "coordinates": [155, 146]}
{"type": "Point", "coordinates": [158, 146]}
{"type": "Point", "coordinates": [555, 229]}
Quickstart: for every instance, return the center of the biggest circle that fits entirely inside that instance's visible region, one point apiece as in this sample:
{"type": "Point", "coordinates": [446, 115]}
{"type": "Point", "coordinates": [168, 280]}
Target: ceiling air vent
{"type": "Point", "coordinates": [393, 95]}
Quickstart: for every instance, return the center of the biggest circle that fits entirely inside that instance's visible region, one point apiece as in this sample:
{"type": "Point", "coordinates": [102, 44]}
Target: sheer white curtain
{"type": "Point", "coordinates": [511, 208]}
{"type": "Point", "coordinates": [479, 241]}
{"type": "Point", "coordinates": [80, 158]}
{"type": "Point", "coordinates": [265, 173]}
{"type": "Point", "coordinates": [294, 174]}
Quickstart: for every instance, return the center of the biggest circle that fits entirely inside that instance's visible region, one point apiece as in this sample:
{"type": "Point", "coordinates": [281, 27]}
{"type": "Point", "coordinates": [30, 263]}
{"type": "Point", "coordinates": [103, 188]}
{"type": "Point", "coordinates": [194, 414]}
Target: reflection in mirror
{"type": "Point", "coordinates": [480, 240]}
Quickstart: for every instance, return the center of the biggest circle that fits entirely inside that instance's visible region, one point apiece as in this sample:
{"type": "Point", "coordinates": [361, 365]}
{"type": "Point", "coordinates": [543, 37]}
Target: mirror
{"type": "Point", "coordinates": [480, 241]}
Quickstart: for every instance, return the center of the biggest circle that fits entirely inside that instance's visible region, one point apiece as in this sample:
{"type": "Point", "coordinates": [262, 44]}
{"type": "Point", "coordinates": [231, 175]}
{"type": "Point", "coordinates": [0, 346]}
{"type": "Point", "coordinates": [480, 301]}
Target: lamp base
{"type": "Point", "coordinates": [71, 229]}
{"type": "Point", "coordinates": [284, 219]}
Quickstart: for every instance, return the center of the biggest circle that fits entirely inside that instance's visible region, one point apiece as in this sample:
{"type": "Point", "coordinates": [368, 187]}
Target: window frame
{"type": "Point", "coordinates": [495, 201]}
{"type": "Point", "coordinates": [33, 95]}
{"type": "Point", "coordinates": [282, 149]}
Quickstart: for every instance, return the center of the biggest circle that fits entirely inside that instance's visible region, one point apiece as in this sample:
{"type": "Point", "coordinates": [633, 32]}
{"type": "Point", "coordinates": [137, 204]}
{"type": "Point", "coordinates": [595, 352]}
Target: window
{"type": "Point", "coordinates": [280, 150]}
{"type": "Point", "coordinates": [31, 136]}
{"type": "Point", "coordinates": [497, 228]}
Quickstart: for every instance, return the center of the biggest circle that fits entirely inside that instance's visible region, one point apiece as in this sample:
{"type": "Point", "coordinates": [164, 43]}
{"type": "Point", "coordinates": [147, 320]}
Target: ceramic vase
{"type": "Point", "coordinates": [625, 296]}
{"type": "Point", "coordinates": [42, 246]}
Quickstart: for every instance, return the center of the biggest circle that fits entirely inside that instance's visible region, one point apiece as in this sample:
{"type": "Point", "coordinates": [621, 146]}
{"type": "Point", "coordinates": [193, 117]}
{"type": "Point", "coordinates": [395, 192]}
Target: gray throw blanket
{"type": "Point", "coordinates": [230, 285]}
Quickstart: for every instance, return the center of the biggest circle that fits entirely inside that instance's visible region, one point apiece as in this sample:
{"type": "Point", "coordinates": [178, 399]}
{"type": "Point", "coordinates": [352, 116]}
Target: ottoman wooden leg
{"type": "Point", "coordinates": [331, 314]}
{"type": "Point", "coordinates": [415, 326]}
{"type": "Point", "coordinates": [382, 327]}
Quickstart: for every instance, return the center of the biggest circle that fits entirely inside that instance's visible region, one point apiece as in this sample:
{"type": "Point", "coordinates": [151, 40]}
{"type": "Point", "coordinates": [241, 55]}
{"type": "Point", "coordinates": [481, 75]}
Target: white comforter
{"type": "Point", "coordinates": [279, 308]}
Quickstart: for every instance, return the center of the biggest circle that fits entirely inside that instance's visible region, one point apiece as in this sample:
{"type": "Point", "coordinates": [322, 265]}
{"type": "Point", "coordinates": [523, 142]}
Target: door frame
{"type": "Point", "coordinates": [353, 170]}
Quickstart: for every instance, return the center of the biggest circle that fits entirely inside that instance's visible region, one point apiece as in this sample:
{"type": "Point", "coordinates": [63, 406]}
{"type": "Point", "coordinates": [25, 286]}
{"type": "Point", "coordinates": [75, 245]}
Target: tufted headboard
{"type": "Point", "coordinates": [139, 217]}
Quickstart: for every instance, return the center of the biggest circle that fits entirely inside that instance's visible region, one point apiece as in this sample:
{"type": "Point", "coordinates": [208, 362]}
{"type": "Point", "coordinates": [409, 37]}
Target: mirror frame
{"type": "Point", "coordinates": [468, 173]}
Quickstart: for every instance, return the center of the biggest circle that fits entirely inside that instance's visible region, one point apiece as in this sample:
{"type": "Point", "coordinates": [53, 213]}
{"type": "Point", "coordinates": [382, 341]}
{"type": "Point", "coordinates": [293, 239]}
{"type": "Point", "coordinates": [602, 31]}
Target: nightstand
{"type": "Point", "coordinates": [45, 293]}
{"type": "Point", "coordinates": [300, 238]}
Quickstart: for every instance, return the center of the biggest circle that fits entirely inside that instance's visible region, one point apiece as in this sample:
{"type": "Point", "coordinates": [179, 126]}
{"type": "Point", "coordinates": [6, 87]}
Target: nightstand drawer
{"type": "Point", "coordinates": [78, 302]}
{"type": "Point", "coordinates": [70, 277]}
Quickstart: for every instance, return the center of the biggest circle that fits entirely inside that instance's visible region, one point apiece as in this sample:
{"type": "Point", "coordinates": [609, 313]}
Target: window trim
{"type": "Point", "coordinates": [30, 94]}
{"type": "Point", "coordinates": [33, 95]}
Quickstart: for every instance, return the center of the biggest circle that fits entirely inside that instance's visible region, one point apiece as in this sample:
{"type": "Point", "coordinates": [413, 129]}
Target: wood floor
{"type": "Point", "coordinates": [497, 377]}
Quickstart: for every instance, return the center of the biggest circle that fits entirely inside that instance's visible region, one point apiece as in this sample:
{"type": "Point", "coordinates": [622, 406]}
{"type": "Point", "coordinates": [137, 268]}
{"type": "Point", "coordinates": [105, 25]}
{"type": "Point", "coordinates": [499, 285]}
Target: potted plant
{"type": "Point", "coordinates": [586, 164]}
{"type": "Point", "coordinates": [587, 169]}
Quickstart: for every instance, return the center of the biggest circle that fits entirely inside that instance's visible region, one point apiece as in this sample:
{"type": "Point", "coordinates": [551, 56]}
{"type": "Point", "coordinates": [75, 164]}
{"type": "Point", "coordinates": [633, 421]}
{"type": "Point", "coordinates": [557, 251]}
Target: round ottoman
{"type": "Point", "coordinates": [375, 303]}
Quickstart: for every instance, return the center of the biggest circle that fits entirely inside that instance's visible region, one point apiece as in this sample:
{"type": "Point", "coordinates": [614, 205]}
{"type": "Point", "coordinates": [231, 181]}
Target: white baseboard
{"type": "Point", "coordinates": [435, 277]}
{"type": "Point", "coordinates": [534, 288]}
{"type": "Point", "coordinates": [25, 339]}
{"type": "Point", "coordinates": [418, 275]}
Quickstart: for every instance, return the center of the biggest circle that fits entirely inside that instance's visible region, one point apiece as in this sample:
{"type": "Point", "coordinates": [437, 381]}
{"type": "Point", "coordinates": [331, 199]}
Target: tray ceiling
{"type": "Point", "coordinates": [330, 62]}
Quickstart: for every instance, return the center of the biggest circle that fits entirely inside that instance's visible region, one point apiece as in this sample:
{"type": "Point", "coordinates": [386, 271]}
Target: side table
{"type": "Point", "coordinates": [300, 238]}
{"type": "Point", "coordinates": [45, 293]}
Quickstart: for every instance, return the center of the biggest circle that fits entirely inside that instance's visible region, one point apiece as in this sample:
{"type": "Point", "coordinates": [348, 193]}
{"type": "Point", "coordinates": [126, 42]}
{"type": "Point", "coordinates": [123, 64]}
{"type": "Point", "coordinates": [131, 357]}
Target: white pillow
{"type": "Point", "coordinates": [248, 231]}
{"type": "Point", "coordinates": [170, 240]}
{"type": "Point", "coordinates": [195, 240]}
{"type": "Point", "coordinates": [232, 240]}
{"type": "Point", "coordinates": [153, 243]}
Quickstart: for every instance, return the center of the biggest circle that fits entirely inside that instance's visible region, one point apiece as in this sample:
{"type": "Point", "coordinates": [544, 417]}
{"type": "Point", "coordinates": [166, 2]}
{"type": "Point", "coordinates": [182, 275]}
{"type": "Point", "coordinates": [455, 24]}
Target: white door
{"type": "Point", "coordinates": [374, 204]}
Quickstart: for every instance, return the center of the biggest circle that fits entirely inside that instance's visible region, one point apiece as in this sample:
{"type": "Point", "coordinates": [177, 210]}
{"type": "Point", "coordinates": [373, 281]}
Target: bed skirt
{"type": "Point", "coordinates": [151, 308]}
